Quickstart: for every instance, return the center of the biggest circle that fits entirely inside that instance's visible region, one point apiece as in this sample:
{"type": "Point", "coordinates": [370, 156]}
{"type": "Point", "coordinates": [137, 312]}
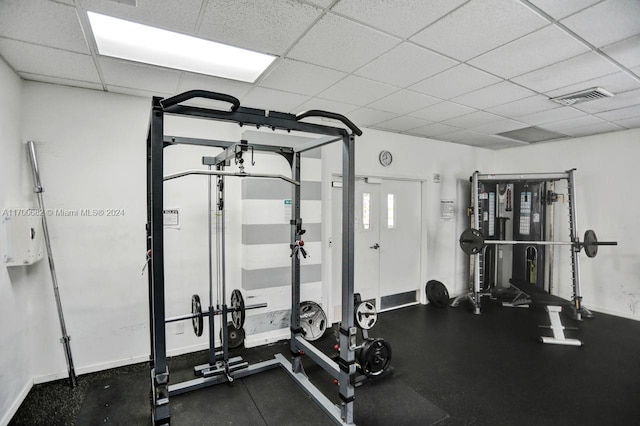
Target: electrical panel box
{"type": "Point", "coordinates": [23, 239]}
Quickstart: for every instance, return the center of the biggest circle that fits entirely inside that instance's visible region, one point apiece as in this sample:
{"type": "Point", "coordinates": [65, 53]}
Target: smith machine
{"type": "Point", "coordinates": [221, 368]}
{"type": "Point", "coordinates": [528, 200]}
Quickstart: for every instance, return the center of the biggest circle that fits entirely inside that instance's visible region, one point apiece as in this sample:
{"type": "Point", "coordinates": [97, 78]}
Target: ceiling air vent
{"type": "Point", "coordinates": [582, 96]}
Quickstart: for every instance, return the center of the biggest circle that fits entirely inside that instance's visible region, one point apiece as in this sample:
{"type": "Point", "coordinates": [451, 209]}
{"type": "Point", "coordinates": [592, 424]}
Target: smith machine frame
{"type": "Point", "coordinates": [345, 369]}
{"type": "Point", "coordinates": [474, 296]}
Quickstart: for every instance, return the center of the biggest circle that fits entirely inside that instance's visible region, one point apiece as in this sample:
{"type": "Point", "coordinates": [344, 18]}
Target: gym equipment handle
{"type": "Point", "coordinates": [174, 100]}
{"type": "Point", "coordinates": [333, 115]}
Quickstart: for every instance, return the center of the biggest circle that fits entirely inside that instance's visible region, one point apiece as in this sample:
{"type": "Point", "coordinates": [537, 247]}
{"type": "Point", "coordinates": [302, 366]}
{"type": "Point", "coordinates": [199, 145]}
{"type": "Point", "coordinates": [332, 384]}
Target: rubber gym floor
{"type": "Point", "coordinates": [450, 367]}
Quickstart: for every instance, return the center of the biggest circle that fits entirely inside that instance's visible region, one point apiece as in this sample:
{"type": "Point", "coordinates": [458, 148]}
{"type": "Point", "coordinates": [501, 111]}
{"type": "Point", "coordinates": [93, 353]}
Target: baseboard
{"type": "Point", "coordinates": [614, 313]}
{"type": "Point", "coordinates": [4, 421]}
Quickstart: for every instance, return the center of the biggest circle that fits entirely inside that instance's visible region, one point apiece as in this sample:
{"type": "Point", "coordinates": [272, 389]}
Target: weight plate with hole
{"type": "Point", "coordinates": [471, 241]}
{"type": "Point", "coordinates": [237, 306]}
{"type": "Point", "coordinates": [197, 319]}
{"type": "Point", "coordinates": [437, 293]}
{"type": "Point", "coordinates": [366, 315]}
{"type": "Point", "coordinates": [312, 320]}
{"type": "Point", "coordinates": [235, 337]}
{"type": "Point", "coordinates": [374, 357]}
{"type": "Point", "coordinates": [590, 243]}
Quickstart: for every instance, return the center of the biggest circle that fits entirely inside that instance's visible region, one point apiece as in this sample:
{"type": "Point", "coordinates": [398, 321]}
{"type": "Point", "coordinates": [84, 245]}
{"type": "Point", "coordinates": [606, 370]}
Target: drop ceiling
{"type": "Point", "coordinates": [452, 70]}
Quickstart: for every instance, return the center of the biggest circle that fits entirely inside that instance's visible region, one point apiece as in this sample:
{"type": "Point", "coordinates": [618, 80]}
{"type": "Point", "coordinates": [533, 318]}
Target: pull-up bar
{"type": "Point", "coordinates": [221, 173]}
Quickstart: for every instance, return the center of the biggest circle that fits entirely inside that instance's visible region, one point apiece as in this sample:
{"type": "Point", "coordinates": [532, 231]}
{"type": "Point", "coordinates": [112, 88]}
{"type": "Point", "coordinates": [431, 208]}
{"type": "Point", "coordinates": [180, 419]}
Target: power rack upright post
{"type": "Point", "coordinates": [345, 369]}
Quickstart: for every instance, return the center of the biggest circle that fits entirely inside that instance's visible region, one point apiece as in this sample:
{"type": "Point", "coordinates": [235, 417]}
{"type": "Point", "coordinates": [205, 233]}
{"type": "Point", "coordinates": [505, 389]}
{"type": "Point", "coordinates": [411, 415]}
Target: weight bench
{"type": "Point", "coordinates": [553, 305]}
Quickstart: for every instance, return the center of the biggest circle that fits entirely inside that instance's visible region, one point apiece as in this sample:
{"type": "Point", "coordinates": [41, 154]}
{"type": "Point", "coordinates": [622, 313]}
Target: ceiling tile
{"type": "Point", "coordinates": [455, 81]}
{"type": "Point", "coordinates": [620, 114]}
{"type": "Point", "coordinates": [326, 105]}
{"type": "Point", "coordinates": [606, 22]}
{"type": "Point", "coordinates": [401, 124]}
{"type": "Point", "coordinates": [563, 8]}
{"type": "Point", "coordinates": [530, 52]}
{"type": "Point", "coordinates": [442, 111]}
{"type": "Point", "coordinates": [626, 52]}
{"type": "Point", "coordinates": [621, 100]}
{"type": "Point", "coordinates": [493, 95]}
{"type": "Point", "coordinates": [42, 22]}
{"type": "Point", "coordinates": [615, 83]}
{"type": "Point", "coordinates": [592, 130]}
{"type": "Point", "coordinates": [341, 44]}
{"type": "Point", "coordinates": [505, 125]}
{"type": "Point", "coordinates": [357, 90]}
{"type": "Point", "coordinates": [405, 64]}
{"type": "Point", "coordinates": [143, 77]}
{"type": "Point", "coordinates": [572, 123]}
{"type": "Point", "coordinates": [137, 92]}
{"type": "Point", "coordinates": [321, 3]}
{"type": "Point", "coordinates": [403, 102]}
{"type": "Point", "coordinates": [505, 143]}
{"type": "Point", "coordinates": [551, 115]}
{"type": "Point", "coordinates": [629, 123]}
{"type": "Point", "coordinates": [300, 77]}
{"type": "Point", "coordinates": [471, 138]}
{"type": "Point", "coordinates": [177, 16]}
{"type": "Point", "coordinates": [61, 81]}
{"type": "Point", "coordinates": [399, 17]}
{"type": "Point", "coordinates": [434, 130]}
{"type": "Point", "coordinates": [523, 106]}
{"type": "Point", "coordinates": [268, 26]}
{"type": "Point", "coordinates": [474, 119]}
{"type": "Point", "coordinates": [192, 81]}
{"type": "Point", "coordinates": [35, 59]}
{"type": "Point", "coordinates": [368, 116]}
{"type": "Point", "coordinates": [575, 70]}
{"type": "Point", "coordinates": [273, 100]}
{"type": "Point", "coordinates": [471, 30]}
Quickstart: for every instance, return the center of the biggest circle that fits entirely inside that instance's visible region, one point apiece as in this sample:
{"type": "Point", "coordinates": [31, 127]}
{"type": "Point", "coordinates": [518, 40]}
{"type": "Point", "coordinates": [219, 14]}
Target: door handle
{"type": "Point", "coordinates": [376, 246]}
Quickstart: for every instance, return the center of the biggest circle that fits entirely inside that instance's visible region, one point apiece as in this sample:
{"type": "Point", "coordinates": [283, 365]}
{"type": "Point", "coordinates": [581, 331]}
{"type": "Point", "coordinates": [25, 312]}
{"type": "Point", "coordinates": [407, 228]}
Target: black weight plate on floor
{"type": "Point", "coordinates": [374, 357]}
{"type": "Point", "coordinates": [235, 336]}
{"type": "Point", "coordinates": [437, 293]}
{"type": "Point", "coordinates": [197, 320]}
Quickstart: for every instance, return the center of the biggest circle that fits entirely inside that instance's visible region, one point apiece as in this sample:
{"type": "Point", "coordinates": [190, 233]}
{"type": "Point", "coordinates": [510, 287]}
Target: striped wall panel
{"type": "Point", "coordinates": [266, 229]}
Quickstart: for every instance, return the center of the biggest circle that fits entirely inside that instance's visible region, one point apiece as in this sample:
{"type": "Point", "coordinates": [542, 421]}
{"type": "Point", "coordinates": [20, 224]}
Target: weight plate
{"type": "Point", "coordinates": [437, 293]}
{"type": "Point", "coordinates": [471, 241]}
{"type": "Point", "coordinates": [366, 315]}
{"type": "Point", "coordinates": [196, 320]}
{"type": "Point", "coordinates": [237, 306]}
{"type": "Point", "coordinates": [312, 320]}
{"type": "Point", "coordinates": [235, 337]}
{"type": "Point", "coordinates": [590, 243]}
{"type": "Point", "coordinates": [374, 357]}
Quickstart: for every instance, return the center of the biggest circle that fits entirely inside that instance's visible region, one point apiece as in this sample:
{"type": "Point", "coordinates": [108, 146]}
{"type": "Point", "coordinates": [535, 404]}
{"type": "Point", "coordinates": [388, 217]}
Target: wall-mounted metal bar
{"type": "Point", "coordinates": [523, 177]}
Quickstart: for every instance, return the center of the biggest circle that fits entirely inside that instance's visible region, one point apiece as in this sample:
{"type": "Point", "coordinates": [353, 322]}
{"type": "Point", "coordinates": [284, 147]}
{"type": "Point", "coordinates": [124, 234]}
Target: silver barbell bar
{"type": "Point", "coordinates": [215, 312]}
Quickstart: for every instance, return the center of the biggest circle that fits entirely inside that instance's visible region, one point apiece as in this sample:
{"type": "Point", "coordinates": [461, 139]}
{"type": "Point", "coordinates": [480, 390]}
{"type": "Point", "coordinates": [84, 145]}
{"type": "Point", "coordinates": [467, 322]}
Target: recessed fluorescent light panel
{"type": "Point", "coordinates": [141, 43]}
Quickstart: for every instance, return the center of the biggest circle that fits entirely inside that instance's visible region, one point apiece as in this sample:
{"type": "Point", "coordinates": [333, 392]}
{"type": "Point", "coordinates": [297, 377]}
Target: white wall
{"type": "Point", "coordinates": [606, 200]}
{"type": "Point", "coordinates": [92, 156]}
{"type": "Point", "coordinates": [19, 285]}
{"type": "Point", "coordinates": [418, 159]}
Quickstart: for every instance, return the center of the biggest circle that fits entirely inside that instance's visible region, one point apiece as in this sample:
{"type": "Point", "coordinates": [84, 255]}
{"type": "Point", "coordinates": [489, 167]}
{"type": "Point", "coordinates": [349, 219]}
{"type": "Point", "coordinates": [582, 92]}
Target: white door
{"type": "Point", "coordinates": [387, 242]}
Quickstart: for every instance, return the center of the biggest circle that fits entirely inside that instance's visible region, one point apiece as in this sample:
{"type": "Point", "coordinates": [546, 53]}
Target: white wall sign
{"type": "Point", "coordinates": [447, 209]}
{"type": "Point", "coordinates": [170, 217]}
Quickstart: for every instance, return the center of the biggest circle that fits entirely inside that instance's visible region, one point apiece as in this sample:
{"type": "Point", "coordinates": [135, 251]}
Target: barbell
{"type": "Point", "coordinates": [236, 309]}
{"type": "Point", "coordinates": [472, 241]}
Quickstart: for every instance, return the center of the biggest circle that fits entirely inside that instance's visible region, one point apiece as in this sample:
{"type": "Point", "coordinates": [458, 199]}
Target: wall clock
{"type": "Point", "coordinates": [385, 158]}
